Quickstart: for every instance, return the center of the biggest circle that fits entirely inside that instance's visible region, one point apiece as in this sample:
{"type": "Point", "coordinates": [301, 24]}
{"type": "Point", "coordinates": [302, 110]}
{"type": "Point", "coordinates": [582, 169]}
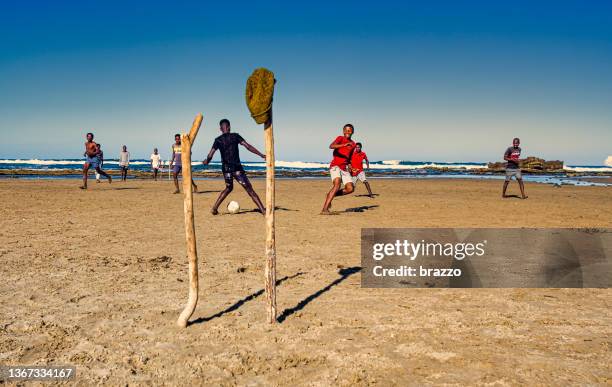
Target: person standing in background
{"type": "Point", "coordinates": [512, 155]}
{"type": "Point", "coordinates": [124, 162]}
{"type": "Point", "coordinates": [155, 163]}
{"type": "Point", "coordinates": [101, 161]}
{"type": "Point", "coordinates": [176, 164]}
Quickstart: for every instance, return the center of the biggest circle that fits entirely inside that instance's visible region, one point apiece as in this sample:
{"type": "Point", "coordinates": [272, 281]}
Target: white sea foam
{"type": "Point", "coordinates": [587, 169]}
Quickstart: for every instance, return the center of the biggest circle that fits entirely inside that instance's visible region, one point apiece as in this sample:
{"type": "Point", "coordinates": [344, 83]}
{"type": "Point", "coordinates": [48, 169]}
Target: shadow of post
{"type": "Point", "coordinates": [241, 302]}
{"type": "Point", "coordinates": [344, 274]}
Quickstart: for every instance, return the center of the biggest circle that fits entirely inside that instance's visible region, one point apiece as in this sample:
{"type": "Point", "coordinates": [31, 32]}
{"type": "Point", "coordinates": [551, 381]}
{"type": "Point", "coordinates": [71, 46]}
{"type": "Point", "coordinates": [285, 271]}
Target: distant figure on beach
{"type": "Point", "coordinates": [176, 164]}
{"type": "Point", "coordinates": [356, 166]}
{"type": "Point", "coordinates": [343, 148]}
{"type": "Point", "coordinates": [227, 144]}
{"type": "Point", "coordinates": [92, 160]}
{"type": "Point", "coordinates": [512, 157]}
{"type": "Point", "coordinates": [124, 162]}
{"type": "Point", "coordinates": [155, 163]}
{"type": "Point", "coordinates": [100, 160]}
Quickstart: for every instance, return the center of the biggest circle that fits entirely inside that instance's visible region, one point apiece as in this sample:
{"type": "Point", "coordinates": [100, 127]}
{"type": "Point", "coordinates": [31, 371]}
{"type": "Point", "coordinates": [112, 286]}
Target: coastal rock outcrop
{"type": "Point", "coordinates": [531, 164]}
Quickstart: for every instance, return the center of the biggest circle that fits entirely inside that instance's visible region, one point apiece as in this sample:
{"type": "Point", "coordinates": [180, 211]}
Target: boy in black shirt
{"type": "Point", "coordinates": [512, 155]}
{"type": "Point", "coordinates": [227, 144]}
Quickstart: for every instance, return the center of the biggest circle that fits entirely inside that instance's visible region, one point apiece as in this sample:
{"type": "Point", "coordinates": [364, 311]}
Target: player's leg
{"type": "Point", "coordinates": [102, 173]}
{"type": "Point", "coordinates": [194, 186]}
{"type": "Point", "coordinates": [367, 185]}
{"type": "Point", "coordinates": [362, 177]}
{"type": "Point", "coordinates": [519, 178]}
{"type": "Point", "coordinates": [508, 178]}
{"type": "Point", "coordinates": [175, 171]}
{"type": "Point", "coordinates": [349, 186]}
{"type": "Point", "coordinates": [243, 180]}
{"type": "Point", "coordinates": [331, 194]}
{"type": "Point", "coordinates": [85, 173]}
{"type": "Point", "coordinates": [229, 187]}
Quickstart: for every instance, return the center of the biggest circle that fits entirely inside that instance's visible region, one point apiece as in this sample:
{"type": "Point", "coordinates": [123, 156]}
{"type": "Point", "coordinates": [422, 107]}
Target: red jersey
{"type": "Point", "coordinates": [357, 162]}
{"type": "Point", "coordinates": [342, 155]}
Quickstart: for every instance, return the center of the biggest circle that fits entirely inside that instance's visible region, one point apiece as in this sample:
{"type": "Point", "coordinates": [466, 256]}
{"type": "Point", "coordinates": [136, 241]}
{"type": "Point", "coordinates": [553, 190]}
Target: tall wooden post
{"type": "Point", "coordinates": [192, 253]}
{"type": "Point", "coordinates": [270, 226]}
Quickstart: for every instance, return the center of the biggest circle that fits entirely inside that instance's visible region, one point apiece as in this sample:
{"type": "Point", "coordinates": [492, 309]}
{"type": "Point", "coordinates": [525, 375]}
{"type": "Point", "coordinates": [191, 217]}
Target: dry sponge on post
{"type": "Point", "coordinates": [259, 93]}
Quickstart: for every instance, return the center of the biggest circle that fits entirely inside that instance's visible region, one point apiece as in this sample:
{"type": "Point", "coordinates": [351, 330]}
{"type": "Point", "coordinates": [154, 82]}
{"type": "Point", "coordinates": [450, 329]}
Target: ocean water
{"type": "Point", "coordinates": [394, 168]}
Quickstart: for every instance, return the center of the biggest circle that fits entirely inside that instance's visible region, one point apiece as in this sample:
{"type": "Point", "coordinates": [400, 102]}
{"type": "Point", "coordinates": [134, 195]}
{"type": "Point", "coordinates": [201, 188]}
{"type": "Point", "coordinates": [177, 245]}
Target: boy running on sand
{"type": "Point", "coordinates": [155, 163]}
{"type": "Point", "coordinates": [176, 164]}
{"type": "Point", "coordinates": [124, 162]}
{"type": "Point", "coordinates": [100, 159]}
{"type": "Point", "coordinates": [227, 143]}
{"type": "Point", "coordinates": [357, 168]}
{"type": "Point", "coordinates": [91, 160]}
{"type": "Point", "coordinates": [343, 148]}
{"type": "Point", "coordinates": [512, 156]}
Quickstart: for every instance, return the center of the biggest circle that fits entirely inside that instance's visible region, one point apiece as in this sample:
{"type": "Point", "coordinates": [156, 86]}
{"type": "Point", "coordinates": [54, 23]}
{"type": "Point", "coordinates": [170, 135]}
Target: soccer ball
{"type": "Point", "coordinates": [233, 207]}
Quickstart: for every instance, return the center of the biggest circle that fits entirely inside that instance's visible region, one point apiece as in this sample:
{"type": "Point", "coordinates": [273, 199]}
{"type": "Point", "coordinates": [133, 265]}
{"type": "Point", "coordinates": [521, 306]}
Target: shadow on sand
{"type": "Point", "coordinates": [241, 302]}
{"type": "Point", "coordinates": [361, 208]}
{"type": "Point", "coordinates": [344, 274]}
{"type": "Point", "coordinates": [241, 212]}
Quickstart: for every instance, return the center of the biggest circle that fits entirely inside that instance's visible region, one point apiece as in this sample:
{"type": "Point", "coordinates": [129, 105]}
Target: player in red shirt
{"type": "Point", "coordinates": [357, 168]}
{"type": "Point", "coordinates": [339, 167]}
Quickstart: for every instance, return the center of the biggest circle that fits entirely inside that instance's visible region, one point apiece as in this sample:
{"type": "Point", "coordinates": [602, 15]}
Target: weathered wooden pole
{"type": "Point", "coordinates": [270, 224]}
{"type": "Point", "coordinates": [259, 96]}
{"type": "Point", "coordinates": [192, 252]}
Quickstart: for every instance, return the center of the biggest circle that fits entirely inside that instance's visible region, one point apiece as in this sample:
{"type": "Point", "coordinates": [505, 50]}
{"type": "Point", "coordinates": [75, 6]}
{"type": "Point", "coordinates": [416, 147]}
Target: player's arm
{"type": "Point", "coordinates": [252, 149]}
{"type": "Point", "coordinates": [507, 155]}
{"type": "Point", "coordinates": [210, 156]}
{"type": "Point", "coordinates": [335, 145]}
{"type": "Point", "coordinates": [171, 159]}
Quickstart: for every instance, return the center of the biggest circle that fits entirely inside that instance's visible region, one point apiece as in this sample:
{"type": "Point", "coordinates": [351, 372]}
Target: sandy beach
{"type": "Point", "coordinates": [97, 278]}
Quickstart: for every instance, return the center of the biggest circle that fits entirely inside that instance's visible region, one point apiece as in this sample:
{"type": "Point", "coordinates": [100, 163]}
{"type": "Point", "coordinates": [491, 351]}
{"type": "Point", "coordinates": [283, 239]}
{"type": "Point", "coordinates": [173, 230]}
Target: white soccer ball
{"type": "Point", "coordinates": [233, 207]}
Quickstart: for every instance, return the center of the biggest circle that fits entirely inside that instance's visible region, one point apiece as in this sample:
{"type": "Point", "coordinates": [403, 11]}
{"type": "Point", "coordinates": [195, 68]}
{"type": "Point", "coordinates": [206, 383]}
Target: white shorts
{"type": "Point", "coordinates": [513, 172]}
{"type": "Point", "coordinates": [336, 172]}
{"type": "Point", "coordinates": [361, 177]}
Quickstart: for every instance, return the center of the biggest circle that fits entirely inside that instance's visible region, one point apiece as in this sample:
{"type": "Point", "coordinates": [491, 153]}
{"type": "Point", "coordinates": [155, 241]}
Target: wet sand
{"type": "Point", "coordinates": [97, 279]}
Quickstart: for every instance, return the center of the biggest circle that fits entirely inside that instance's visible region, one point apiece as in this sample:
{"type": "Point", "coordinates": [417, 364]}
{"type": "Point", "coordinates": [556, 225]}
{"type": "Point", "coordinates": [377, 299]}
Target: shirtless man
{"type": "Point", "coordinates": [92, 160]}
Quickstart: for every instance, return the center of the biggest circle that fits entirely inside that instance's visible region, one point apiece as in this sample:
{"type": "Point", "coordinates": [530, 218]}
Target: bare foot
{"type": "Point", "coordinates": [195, 189]}
{"type": "Point", "coordinates": [525, 197]}
{"type": "Point", "coordinates": [83, 187]}
{"type": "Point", "coordinates": [505, 196]}
{"type": "Point", "coordinates": [214, 211]}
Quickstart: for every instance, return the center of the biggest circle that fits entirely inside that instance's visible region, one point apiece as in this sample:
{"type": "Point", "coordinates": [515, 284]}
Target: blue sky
{"type": "Point", "coordinates": [438, 80]}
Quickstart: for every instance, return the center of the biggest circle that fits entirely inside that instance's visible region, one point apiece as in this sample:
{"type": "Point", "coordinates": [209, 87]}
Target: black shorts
{"type": "Point", "coordinates": [240, 177]}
